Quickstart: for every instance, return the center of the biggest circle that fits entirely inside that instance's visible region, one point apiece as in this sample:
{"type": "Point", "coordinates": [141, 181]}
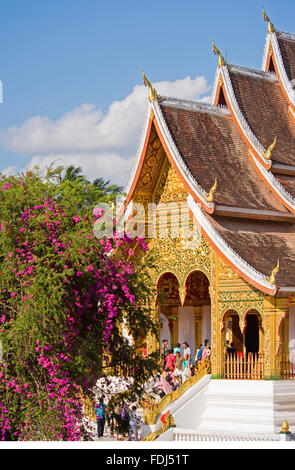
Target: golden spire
{"type": "Point", "coordinates": [267, 154]}
{"type": "Point", "coordinates": [210, 197]}
{"type": "Point", "coordinates": [221, 59]}
{"type": "Point", "coordinates": [153, 96]}
{"type": "Point", "coordinates": [270, 27]}
{"type": "Point", "coordinates": [285, 427]}
{"type": "Point", "coordinates": [272, 278]}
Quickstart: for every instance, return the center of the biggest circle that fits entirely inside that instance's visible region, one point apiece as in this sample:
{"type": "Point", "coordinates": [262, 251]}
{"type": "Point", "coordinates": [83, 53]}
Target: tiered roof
{"type": "Point", "coordinates": [251, 220]}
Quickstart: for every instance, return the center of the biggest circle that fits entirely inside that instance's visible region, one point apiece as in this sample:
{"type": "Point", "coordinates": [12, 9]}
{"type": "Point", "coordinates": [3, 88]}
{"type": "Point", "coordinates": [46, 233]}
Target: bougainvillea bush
{"type": "Point", "coordinates": [63, 299]}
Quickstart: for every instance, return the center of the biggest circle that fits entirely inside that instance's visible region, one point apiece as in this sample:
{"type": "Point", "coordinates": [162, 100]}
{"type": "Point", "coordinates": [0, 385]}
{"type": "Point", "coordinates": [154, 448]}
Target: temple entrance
{"type": "Point", "coordinates": [234, 334]}
{"type": "Point", "coordinates": [168, 301]}
{"type": "Point", "coordinates": [197, 301]}
{"type": "Point", "coordinates": [252, 334]}
{"type": "Point", "coordinates": [244, 355]}
{"type": "Point", "coordinates": [188, 320]}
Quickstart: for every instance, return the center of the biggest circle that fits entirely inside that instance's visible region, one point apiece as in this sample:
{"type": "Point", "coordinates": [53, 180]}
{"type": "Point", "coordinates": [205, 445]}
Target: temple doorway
{"type": "Point", "coordinates": [187, 319]}
{"type": "Point", "coordinates": [252, 334]}
{"type": "Point", "coordinates": [197, 304]}
{"type": "Point", "coordinates": [168, 302]}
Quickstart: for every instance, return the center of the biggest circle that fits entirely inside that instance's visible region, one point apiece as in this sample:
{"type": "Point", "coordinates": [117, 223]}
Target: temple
{"type": "Point", "coordinates": [226, 170]}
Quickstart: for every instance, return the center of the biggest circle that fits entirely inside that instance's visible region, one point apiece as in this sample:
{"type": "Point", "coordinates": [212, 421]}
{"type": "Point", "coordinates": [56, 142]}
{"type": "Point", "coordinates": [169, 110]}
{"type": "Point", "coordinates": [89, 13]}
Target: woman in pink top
{"type": "Point", "coordinates": [206, 350]}
{"type": "Point", "coordinates": [163, 384]}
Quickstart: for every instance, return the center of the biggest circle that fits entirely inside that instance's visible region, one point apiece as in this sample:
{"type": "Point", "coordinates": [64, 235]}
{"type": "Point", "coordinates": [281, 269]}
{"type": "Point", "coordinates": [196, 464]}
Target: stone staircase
{"type": "Point", "coordinates": [241, 410]}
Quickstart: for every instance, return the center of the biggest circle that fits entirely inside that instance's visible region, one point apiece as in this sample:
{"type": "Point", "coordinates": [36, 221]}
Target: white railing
{"type": "Point", "coordinates": [189, 436]}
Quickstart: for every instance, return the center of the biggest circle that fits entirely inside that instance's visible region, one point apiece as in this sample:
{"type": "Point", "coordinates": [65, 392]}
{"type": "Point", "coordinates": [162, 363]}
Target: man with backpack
{"type": "Point", "coordinates": [134, 424]}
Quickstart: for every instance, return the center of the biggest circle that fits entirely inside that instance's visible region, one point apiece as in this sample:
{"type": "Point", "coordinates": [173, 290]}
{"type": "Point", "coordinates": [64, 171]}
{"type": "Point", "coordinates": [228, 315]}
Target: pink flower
{"type": "Point", "coordinates": [98, 212]}
{"type": "Point", "coordinates": [90, 268]}
{"type": "Point", "coordinates": [13, 294]}
{"type": "Point", "coordinates": [76, 219]}
{"type": "Point", "coordinates": [79, 273]}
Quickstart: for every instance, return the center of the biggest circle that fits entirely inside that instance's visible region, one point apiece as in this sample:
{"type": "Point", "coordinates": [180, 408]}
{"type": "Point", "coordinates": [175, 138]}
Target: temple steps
{"type": "Point", "coordinates": [239, 409]}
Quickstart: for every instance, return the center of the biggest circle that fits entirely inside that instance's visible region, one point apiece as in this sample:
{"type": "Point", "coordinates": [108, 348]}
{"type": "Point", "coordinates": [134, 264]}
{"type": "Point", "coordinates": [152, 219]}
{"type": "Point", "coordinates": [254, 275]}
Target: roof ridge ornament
{"type": "Point", "coordinates": [272, 278]}
{"type": "Point", "coordinates": [221, 59]}
{"type": "Point", "coordinates": [153, 96]}
{"type": "Point", "coordinates": [270, 27]}
{"type": "Point", "coordinates": [268, 153]}
{"type": "Point", "coordinates": [210, 197]}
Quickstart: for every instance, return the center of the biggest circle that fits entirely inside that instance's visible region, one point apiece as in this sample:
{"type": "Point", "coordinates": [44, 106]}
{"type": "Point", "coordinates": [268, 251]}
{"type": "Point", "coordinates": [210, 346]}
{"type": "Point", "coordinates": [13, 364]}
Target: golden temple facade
{"type": "Point", "coordinates": [217, 185]}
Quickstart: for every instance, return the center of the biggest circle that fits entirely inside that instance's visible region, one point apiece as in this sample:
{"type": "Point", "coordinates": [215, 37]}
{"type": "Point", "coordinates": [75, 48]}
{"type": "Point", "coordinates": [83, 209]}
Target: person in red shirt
{"type": "Point", "coordinates": [170, 361]}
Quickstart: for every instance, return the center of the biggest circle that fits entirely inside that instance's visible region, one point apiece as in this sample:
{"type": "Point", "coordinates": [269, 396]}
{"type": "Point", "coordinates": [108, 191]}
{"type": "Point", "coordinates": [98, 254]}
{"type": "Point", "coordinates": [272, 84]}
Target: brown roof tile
{"type": "Point", "coordinates": [287, 48]}
{"type": "Point", "coordinates": [266, 110]}
{"type": "Point", "coordinates": [261, 244]}
{"type": "Point", "coordinates": [288, 182]}
{"type": "Point", "coordinates": [212, 147]}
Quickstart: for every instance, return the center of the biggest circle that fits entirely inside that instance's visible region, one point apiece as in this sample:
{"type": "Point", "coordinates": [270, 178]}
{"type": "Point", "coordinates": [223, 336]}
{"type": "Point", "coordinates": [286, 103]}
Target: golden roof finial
{"type": "Point", "coordinates": [270, 27]}
{"type": "Point", "coordinates": [272, 278]}
{"type": "Point", "coordinates": [210, 197]}
{"type": "Point", "coordinates": [221, 59]}
{"type": "Point", "coordinates": [285, 427]}
{"type": "Point", "coordinates": [153, 96]}
{"type": "Point", "coordinates": [267, 154]}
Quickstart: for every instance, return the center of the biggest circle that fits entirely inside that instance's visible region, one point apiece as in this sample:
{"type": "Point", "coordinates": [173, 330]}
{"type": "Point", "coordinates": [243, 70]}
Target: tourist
{"type": "Point", "coordinates": [134, 424]}
{"type": "Point", "coordinates": [100, 411]}
{"type": "Point", "coordinates": [186, 350]}
{"type": "Point", "coordinates": [116, 422]}
{"type": "Point", "coordinates": [177, 375]}
{"type": "Point", "coordinates": [186, 370]}
{"type": "Point", "coordinates": [170, 361]}
{"type": "Point", "coordinates": [163, 384]}
{"type": "Point", "coordinates": [206, 350]}
{"type": "Point", "coordinates": [177, 349]}
{"type": "Point", "coordinates": [164, 349]}
{"type": "Point", "coordinates": [124, 422]}
{"type": "Point", "coordinates": [198, 354]}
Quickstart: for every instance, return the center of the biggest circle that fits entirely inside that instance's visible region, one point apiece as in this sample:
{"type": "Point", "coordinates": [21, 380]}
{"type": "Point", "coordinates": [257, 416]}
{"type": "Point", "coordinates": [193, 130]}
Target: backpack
{"type": "Point", "coordinates": [199, 355]}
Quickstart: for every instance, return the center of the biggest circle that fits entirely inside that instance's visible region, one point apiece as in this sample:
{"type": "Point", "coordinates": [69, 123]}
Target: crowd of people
{"type": "Point", "coordinates": [179, 365]}
{"type": "Point", "coordinates": [124, 423]}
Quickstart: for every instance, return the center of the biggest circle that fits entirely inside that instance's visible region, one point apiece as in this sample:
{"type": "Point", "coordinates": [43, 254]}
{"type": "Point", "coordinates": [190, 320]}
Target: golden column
{"type": "Point", "coordinates": [274, 309]}
{"type": "Point", "coordinates": [217, 337]}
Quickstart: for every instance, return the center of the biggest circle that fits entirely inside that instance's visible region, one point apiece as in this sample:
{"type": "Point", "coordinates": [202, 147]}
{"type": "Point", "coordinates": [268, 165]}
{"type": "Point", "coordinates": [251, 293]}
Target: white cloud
{"type": "Point", "coordinates": [110, 166]}
{"type": "Point", "coordinates": [104, 145]}
{"type": "Point", "coordinates": [10, 170]}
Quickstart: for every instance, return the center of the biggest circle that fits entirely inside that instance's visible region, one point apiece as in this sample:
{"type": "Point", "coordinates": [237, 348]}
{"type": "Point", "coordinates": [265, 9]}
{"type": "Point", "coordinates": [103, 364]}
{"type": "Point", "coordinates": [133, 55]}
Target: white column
{"type": "Point", "coordinates": [186, 327]}
{"type": "Point", "coordinates": [206, 323]}
{"type": "Point", "coordinates": [164, 331]}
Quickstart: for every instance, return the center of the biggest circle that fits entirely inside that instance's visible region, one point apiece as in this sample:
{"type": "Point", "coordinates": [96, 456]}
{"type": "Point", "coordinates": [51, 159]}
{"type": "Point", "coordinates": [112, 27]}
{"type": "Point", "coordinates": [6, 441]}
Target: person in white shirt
{"type": "Point", "coordinates": [186, 350]}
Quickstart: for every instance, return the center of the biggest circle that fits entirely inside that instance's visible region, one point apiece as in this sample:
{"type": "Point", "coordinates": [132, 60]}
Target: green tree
{"type": "Point", "coordinates": [63, 300]}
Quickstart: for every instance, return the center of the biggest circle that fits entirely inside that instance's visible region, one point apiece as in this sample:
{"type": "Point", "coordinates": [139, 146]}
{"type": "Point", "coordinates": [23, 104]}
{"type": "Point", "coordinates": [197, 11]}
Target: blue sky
{"type": "Point", "coordinates": [75, 63]}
